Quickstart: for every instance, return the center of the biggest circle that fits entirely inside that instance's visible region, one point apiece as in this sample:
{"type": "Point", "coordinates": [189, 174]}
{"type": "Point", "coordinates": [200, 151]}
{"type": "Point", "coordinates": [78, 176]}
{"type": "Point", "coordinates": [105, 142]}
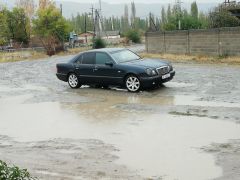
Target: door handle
{"type": "Point", "coordinates": [95, 68]}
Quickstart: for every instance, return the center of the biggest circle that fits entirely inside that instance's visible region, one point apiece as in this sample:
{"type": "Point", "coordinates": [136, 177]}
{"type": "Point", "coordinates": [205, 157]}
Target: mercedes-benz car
{"type": "Point", "coordinates": [114, 67]}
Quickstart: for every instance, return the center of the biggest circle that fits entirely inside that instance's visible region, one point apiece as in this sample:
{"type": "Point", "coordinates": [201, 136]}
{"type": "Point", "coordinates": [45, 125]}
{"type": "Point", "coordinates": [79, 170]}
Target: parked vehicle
{"type": "Point", "coordinates": [115, 67]}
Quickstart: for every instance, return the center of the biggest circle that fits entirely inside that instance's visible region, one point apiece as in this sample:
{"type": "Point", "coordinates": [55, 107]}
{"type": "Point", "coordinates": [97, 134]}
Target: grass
{"type": "Point", "coordinates": [34, 55]}
{"type": "Point", "coordinates": [20, 56]}
{"type": "Point", "coordinates": [75, 50]}
{"type": "Point", "coordinates": [231, 60]}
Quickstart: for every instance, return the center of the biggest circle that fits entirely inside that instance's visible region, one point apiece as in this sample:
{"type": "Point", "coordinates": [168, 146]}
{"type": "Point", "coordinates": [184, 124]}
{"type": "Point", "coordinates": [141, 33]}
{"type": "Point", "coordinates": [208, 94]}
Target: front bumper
{"type": "Point", "coordinates": [156, 80]}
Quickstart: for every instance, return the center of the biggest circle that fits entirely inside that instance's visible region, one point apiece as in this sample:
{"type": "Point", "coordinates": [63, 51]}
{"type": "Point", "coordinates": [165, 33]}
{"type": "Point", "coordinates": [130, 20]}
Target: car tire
{"type": "Point", "coordinates": [73, 81]}
{"type": "Point", "coordinates": [105, 87]}
{"type": "Point", "coordinates": [133, 83]}
{"type": "Point", "coordinates": [97, 86]}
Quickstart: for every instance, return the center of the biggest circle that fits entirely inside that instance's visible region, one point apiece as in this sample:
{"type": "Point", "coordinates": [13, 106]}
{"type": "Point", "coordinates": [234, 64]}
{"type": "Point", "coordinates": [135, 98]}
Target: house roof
{"type": "Point", "coordinates": [108, 33]}
{"type": "Point", "coordinates": [86, 34]}
{"type": "Point", "coordinates": [102, 33]}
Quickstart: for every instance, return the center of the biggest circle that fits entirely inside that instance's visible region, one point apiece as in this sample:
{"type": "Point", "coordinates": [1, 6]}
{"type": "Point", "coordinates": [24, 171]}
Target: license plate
{"type": "Point", "coordinates": [166, 76]}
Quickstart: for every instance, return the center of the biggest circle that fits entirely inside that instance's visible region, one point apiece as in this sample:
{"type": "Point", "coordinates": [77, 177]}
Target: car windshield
{"type": "Point", "coordinates": [124, 56]}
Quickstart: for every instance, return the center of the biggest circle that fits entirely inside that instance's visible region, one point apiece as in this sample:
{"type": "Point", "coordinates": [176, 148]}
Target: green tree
{"type": "Point", "coordinates": [187, 20]}
{"type": "Point", "coordinates": [23, 33]}
{"type": "Point", "coordinates": [204, 19]}
{"type": "Point", "coordinates": [163, 16]}
{"type": "Point", "coordinates": [16, 25]}
{"type": "Point", "coordinates": [133, 16]}
{"type": "Point", "coordinates": [3, 27]}
{"type": "Point", "coordinates": [169, 12]}
{"type": "Point", "coordinates": [78, 23]}
{"type": "Point", "coordinates": [51, 28]}
{"type": "Point", "coordinates": [171, 24]}
{"type": "Point", "coordinates": [194, 10]}
{"type": "Point", "coordinates": [125, 19]}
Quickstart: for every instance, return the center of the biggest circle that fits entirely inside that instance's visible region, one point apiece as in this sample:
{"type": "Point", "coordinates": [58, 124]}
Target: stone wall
{"type": "Point", "coordinates": [217, 42]}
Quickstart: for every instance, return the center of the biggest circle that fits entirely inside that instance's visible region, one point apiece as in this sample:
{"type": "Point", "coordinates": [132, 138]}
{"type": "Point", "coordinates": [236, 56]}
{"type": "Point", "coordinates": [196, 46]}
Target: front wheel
{"type": "Point", "coordinates": [133, 83]}
{"type": "Point", "coordinates": [73, 81]}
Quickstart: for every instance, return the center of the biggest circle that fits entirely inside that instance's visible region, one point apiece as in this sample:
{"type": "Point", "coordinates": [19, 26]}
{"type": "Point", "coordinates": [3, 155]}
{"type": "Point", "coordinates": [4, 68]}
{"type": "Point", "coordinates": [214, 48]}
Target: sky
{"type": "Point", "coordinates": [147, 1]}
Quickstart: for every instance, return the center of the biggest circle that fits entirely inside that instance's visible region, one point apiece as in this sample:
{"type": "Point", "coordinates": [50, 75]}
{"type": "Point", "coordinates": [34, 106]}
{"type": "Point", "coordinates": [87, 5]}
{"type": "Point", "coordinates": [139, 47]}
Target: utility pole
{"type": "Point", "coordinates": [85, 23]}
{"type": "Point", "coordinates": [92, 14]}
{"type": "Point", "coordinates": [94, 27]}
{"type": "Point", "coordinates": [100, 5]}
{"type": "Point", "coordinates": [179, 9]}
{"type": "Point", "coordinates": [100, 16]}
{"type": "Point", "coordinates": [61, 9]}
{"type": "Point", "coordinates": [112, 23]}
{"type": "Point", "coordinates": [85, 27]}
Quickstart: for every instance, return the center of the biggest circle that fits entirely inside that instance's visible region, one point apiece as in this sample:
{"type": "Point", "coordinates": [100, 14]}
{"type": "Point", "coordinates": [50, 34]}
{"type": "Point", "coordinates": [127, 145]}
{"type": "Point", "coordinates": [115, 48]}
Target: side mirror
{"type": "Point", "coordinates": [109, 63]}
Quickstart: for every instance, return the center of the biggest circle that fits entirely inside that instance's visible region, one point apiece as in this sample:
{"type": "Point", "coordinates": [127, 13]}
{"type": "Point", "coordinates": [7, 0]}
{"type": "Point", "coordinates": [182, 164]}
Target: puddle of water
{"type": "Point", "coordinates": [177, 84]}
{"type": "Point", "coordinates": [24, 88]}
{"type": "Point", "coordinates": [60, 176]}
{"type": "Point", "coordinates": [151, 144]}
{"type": "Point", "coordinates": [192, 101]}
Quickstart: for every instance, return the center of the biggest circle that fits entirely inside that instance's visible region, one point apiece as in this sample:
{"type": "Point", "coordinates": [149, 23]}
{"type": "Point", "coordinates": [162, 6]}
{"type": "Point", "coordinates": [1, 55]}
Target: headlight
{"type": "Point", "coordinates": [151, 72]}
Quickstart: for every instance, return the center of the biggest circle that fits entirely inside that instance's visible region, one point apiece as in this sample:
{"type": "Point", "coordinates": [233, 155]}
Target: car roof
{"type": "Point", "coordinates": [107, 50]}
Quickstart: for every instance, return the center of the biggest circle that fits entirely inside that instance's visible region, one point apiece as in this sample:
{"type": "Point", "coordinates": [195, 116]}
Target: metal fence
{"type": "Point", "coordinates": [10, 50]}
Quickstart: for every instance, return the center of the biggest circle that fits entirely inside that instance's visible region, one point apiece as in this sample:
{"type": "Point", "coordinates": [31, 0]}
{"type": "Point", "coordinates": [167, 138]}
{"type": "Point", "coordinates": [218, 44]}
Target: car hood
{"type": "Point", "coordinates": [148, 63]}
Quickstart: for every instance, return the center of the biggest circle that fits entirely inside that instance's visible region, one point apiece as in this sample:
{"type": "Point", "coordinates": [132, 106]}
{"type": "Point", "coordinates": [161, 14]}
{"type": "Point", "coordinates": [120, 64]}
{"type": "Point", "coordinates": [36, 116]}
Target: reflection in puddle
{"type": "Point", "coordinates": [105, 108]}
{"type": "Point", "coordinates": [153, 144]}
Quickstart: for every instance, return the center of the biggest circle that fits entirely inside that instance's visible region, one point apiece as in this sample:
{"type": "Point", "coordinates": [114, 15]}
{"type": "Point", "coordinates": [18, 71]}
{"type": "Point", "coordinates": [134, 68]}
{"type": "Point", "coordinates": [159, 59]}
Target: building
{"type": "Point", "coordinates": [233, 7]}
{"type": "Point", "coordinates": [86, 38]}
{"type": "Point", "coordinates": [109, 34]}
{"type": "Point", "coordinates": [111, 37]}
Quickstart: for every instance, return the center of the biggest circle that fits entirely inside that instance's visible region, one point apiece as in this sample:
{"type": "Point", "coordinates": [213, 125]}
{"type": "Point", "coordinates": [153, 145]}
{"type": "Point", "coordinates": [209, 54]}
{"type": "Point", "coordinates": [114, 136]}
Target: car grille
{"type": "Point", "coordinates": [163, 70]}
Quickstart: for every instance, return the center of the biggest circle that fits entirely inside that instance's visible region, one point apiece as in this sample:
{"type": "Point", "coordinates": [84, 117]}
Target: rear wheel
{"type": "Point", "coordinates": [133, 83]}
{"type": "Point", "coordinates": [73, 81]}
{"type": "Point", "coordinates": [105, 87]}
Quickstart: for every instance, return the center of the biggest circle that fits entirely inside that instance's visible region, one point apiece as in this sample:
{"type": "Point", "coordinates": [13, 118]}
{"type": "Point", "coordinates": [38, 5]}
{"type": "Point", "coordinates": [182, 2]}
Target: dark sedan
{"type": "Point", "coordinates": [115, 67]}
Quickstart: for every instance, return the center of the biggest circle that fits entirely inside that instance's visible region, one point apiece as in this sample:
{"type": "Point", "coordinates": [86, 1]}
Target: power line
{"type": "Point", "coordinates": [152, 22]}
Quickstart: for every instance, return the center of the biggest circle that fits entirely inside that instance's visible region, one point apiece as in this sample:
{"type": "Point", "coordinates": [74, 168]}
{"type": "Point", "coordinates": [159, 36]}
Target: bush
{"type": "Point", "coordinates": [13, 173]}
{"type": "Point", "coordinates": [99, 43]}
{"type": "Point", "coordinates": [134, 36]}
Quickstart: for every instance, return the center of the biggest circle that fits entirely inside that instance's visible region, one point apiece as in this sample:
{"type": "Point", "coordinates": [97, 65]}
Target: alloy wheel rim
{"type": "Point", "coordinates": [133, 84]}
{"type": "Point", "coordinates": [73, 81]}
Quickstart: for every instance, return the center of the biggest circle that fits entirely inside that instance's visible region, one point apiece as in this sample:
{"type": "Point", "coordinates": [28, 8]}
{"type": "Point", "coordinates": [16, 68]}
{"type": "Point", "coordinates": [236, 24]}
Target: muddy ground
{"type": "Point", "coordinates": [187, 129]}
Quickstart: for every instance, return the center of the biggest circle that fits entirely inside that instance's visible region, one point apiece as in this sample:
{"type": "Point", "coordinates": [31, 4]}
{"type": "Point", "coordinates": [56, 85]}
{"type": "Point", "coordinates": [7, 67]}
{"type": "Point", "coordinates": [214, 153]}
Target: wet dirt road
{"type": "Point", "coordinates": [188, 129]}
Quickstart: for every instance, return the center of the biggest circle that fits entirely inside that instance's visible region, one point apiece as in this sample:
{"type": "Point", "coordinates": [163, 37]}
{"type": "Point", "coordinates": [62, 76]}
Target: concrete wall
{"type": "Point", "coordinates": [223, 41]}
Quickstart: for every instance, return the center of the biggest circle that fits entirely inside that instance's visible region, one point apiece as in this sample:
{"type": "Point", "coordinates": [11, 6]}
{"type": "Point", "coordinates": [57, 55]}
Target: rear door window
{"type": "Point", "coordinates": [102, 58]}
{"type": "Point", "coordinates": [88, 58]}
{"type": "Point", "coordinates": [79, 59]}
